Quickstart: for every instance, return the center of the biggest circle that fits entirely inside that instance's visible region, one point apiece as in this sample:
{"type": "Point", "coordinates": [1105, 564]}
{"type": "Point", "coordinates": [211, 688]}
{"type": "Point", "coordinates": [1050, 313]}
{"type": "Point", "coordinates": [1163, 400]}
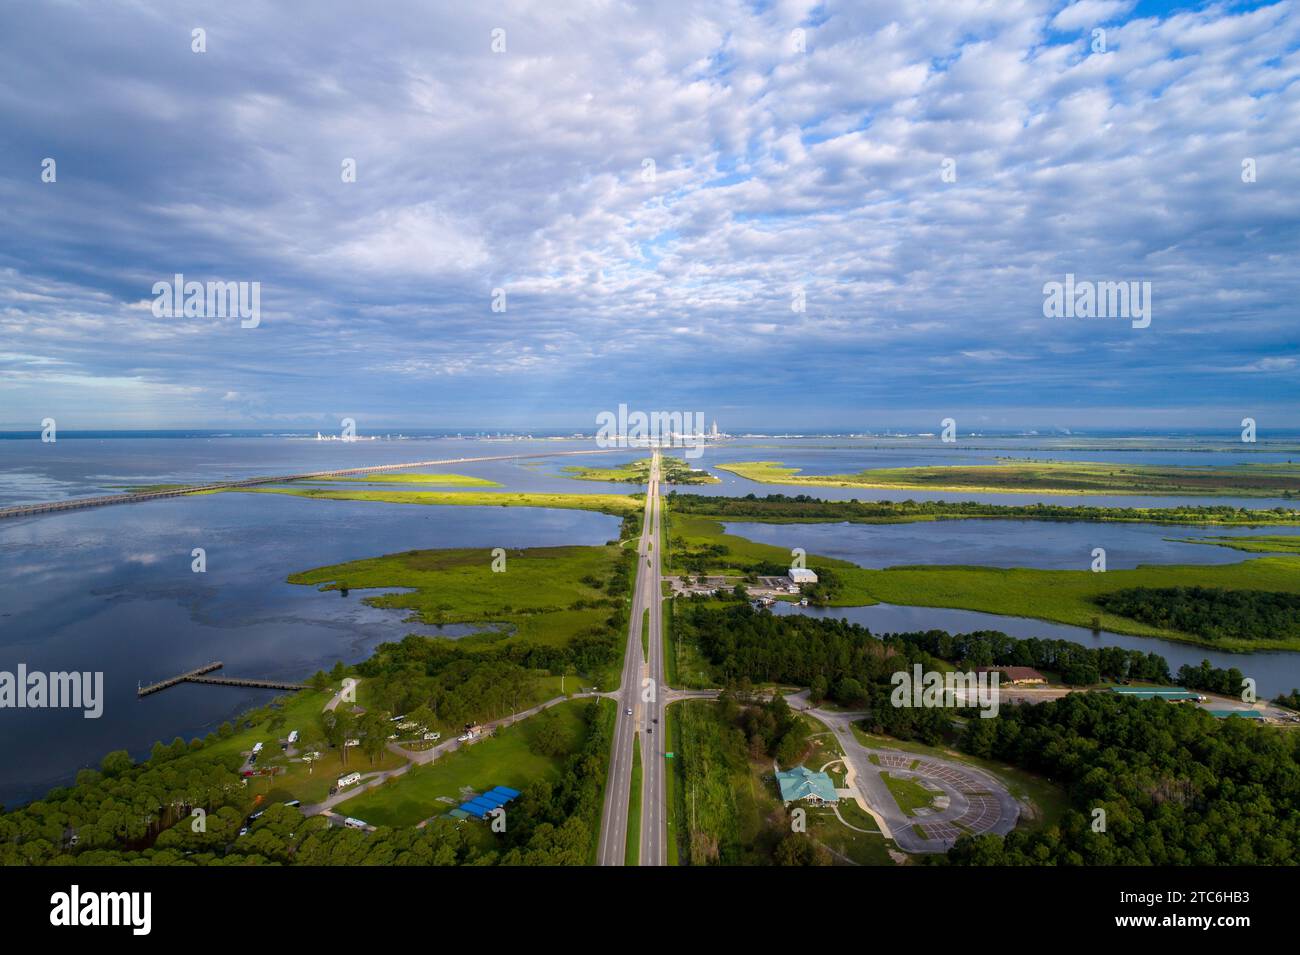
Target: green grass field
{"type": "Point", "coordinates": [442, 480]}
{"type": "Point", "coordinates": [1065, 596]}
{"type": "Point", "coordinates": [632, 855]}
{"type": "Point", "coordinates": [673, 470]}
{"type": "Point", "coordinates": [501, 760]}
{"type": "Point", "coordinates": [1047, 477]}
{"type": "Point", "coordinates": [909, 794]}
{"type": "Point", "coordinates": [672, 785]}
{"type": "Point", "coordinates": [618, 504]}
{"type": "Point", "coordinates": [542, 595]}
{"type": "Point", "coordinates": [1257, 544]}
{"type": "Point", "coordinates": [299, 780]}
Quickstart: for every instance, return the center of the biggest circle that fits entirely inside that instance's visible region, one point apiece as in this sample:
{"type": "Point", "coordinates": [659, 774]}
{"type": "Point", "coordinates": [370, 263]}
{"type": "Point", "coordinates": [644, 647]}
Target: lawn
{"type": "Point", "coordinates": [504, 759]}
{"type": "Point", "coordinates": [632, 856]}
{"type": "Point", "coordinates": [908, 793]}
{"type": "Point", "coordinates": [1048, 477]}
{"type": "Point", "coordinates": [307, 782]}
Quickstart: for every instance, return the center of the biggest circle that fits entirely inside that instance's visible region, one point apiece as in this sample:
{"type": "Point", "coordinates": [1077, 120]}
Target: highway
{"type": "Point", "coordinates": [78, 503]}
{"type": "Point", "coordinates": [654, 805]}
{"type": "Point", "coordinates": [612, 848]}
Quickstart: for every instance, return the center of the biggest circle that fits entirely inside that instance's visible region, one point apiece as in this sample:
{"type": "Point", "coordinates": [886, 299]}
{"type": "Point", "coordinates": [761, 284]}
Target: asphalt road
{"type": "Point", "coordinates": [612, 848]}
{"type": "Point", "coordinates": [654, 807]}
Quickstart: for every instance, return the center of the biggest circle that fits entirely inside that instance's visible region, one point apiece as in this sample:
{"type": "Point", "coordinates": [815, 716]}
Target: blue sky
{"type": "Point", "coordinates": [775, 169]}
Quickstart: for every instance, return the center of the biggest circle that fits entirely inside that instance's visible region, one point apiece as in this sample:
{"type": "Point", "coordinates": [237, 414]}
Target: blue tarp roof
{"type": "Point", "coordinates": [492, 799]}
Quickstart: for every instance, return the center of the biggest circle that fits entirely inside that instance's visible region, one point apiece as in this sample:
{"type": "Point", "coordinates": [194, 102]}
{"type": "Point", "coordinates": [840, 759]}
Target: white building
{"type": "Point", "coordinates": [802, 575]}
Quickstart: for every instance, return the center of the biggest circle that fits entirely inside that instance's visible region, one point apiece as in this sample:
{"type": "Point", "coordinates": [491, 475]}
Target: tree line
{"type": "Point", "coordinates": [1175, 786]}
{"type": "Point", "coordinates": [1210, 612]}
{"type": "Point", "coordinates": [802, 507]}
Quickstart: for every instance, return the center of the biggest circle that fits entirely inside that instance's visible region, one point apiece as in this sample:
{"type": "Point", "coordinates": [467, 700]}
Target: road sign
{"type": "Point", "coordinates": [668, 755]}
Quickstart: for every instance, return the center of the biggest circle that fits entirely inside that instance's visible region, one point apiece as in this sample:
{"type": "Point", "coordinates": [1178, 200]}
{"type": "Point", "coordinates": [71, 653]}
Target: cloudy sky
{"type": "Point", "coordinates": [651, 186]}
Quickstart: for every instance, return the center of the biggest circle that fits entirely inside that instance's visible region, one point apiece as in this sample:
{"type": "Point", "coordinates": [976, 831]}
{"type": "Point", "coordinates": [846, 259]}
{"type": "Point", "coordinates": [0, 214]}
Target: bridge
{"type": "Point", "coordinates": [79, 503]}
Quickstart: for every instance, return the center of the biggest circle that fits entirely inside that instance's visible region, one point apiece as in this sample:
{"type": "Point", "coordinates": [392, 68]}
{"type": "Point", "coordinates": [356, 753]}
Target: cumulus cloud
{"type": "Point", "coordinates": [648, 185]}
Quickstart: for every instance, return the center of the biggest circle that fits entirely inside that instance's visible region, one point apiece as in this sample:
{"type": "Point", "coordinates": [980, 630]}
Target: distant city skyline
{"type": "Point", "coordinates": [799, 216]}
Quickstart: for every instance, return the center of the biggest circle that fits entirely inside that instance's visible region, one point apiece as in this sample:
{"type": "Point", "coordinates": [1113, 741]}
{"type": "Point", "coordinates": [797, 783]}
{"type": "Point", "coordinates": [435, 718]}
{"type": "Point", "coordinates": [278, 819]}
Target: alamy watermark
{"type": "Point", "coordinates": [36, 690]}
{"type": "Point", "coordinates": [931, 689]}
{"type": "Point", "coordinates": [1086, 299]}
{"type": "Point", "coordinates": [182, 299]}
{"type": "Point", "coordinates": [658, 429]}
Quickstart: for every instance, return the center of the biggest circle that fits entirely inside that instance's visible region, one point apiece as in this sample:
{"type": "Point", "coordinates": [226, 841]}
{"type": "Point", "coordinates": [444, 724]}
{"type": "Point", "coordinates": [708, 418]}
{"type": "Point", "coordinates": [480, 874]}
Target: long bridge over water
{"type": "Point", "coordinates": [78, 503]}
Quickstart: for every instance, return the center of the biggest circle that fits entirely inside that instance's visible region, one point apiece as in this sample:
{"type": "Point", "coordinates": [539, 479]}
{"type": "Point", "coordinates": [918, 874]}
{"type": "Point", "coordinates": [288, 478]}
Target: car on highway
{"type": "Point", "coordinates": [628, 711]}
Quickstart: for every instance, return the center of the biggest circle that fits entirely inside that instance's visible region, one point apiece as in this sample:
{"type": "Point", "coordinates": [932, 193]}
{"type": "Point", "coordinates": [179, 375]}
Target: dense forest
{"type": "Point", "coordinates": [1210, 612]}
{"type": "Point", "coordinates": [124, 813]}
{"type": "Point", "coordinates": [1177, 786]}
{"type": "Point", "coordinates": [801, 507]}
{"type": "Point", "coordinates": [837, 659]}
{"type": "Point", "coordinates": [847, 664]}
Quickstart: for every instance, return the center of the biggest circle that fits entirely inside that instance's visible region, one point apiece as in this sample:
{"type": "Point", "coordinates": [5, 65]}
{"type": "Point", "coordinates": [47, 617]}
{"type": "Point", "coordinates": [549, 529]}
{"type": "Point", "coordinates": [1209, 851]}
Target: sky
{"type": "Point", "coordinates": [788, 215]}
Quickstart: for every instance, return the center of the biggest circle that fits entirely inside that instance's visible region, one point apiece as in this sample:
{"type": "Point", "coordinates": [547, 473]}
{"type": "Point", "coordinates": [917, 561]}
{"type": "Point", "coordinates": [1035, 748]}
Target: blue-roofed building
{"type": "Point", "coordinates": [801, 783]}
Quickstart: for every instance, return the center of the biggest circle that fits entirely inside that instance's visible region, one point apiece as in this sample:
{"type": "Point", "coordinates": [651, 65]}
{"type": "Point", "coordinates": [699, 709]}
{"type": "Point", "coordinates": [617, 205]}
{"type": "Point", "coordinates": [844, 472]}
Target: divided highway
{"type": "Point", "coordinates": [654, 805]}
{"type": "Point", "coordinates": [618, 786]}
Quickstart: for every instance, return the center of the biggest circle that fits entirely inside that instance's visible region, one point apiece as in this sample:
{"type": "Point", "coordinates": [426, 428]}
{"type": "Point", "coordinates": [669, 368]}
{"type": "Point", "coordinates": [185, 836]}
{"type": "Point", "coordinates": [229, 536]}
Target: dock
{"type": "Point", "coordinates": [259, 684]}
{"type": "Point", "coordinates": [197, 676]}
{"type": "Point", "coordinates": [164, 684]}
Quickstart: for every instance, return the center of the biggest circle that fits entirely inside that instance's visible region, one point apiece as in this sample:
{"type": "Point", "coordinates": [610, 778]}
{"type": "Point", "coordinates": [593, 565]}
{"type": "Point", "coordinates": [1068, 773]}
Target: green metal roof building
{"type": "Point", "coordinates": [1244, 714]}
{"type": "Point", "coordinates": [1146, 693]}
{"type": "Point", "coordinates": [803, 783]}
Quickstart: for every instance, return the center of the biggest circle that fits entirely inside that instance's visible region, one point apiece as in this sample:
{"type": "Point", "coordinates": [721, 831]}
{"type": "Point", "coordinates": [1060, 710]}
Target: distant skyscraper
{"type": "Point", "coordinates": [715, 428]}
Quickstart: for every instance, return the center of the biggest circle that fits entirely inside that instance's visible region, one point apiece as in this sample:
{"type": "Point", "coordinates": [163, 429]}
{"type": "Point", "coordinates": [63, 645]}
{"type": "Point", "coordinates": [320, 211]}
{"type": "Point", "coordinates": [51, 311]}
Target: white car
{"type": "Point", "coordinates": [462, 739]}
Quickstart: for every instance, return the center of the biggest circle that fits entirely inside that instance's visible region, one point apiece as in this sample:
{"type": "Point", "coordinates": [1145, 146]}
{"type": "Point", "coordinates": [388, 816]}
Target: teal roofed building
{"type": "Point", "coordinates": [802, 783]}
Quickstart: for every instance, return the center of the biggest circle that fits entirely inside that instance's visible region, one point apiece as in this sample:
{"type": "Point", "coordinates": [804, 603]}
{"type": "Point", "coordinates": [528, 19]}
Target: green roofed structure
{"type": "Point", "coordinates": [802, 783]}
{"type": "Point", "coordinates": [1244, 714]}
{"type": "Point", "coordinates": [1150, 693]}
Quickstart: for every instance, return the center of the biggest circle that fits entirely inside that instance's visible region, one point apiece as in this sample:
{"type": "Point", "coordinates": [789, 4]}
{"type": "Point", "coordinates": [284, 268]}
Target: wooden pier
{"type": "Point", "coordinates": [197, 676]}
{"type": "Point", "coordinates": [157, 687]}
{"type": "Point", "coordinates": [260, 684]}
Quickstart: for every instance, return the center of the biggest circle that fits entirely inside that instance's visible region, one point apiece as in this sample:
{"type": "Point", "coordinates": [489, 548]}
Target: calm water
{"type": "Point", "coordinates": [1049, 545]}
{"type": "Point", "coordinates": [111, 590]}
{"type": "Point", "coordinates": [1273, 673]}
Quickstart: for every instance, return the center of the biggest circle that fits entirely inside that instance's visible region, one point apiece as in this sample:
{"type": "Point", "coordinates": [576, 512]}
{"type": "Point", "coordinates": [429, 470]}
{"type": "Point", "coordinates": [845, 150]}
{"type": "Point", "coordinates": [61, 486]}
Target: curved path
{"type": "Point", "coordinates": [976, 799]}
